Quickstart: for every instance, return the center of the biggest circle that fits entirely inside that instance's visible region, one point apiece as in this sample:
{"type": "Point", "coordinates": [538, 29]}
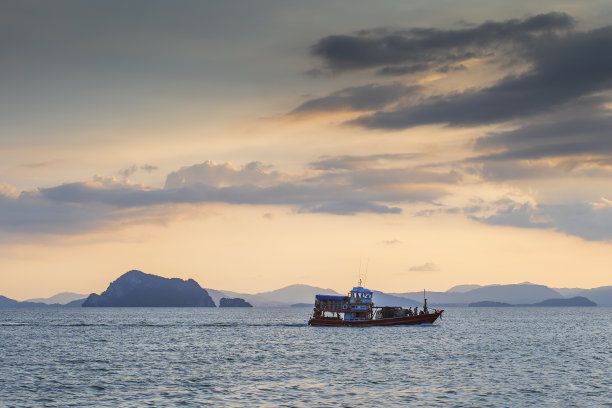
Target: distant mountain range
{"type": "Point", "coordinates": [522, 293]}
{"type": "Point", "coordinates": [61, 298]}
{"type": "Point", "coordinates": [166, 289]}
{"type": "Point", "coordinates": [577, 301]}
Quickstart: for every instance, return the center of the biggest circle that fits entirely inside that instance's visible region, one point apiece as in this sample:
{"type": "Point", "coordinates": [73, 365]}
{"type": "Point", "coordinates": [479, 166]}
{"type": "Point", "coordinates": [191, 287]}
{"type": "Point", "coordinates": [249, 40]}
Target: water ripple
{"type": "Point", "coordinates": [270, 357]}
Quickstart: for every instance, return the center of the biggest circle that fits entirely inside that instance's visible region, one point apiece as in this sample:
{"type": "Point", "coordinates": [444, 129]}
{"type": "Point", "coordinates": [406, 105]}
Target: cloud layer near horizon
{"type": "Point", "coordinates": [355, 184]}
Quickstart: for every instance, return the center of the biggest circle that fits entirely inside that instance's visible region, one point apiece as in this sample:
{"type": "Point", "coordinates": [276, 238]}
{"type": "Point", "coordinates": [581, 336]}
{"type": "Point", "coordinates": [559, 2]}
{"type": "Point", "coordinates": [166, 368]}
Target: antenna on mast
{"type": "Point", "coordinates": [365, 278]}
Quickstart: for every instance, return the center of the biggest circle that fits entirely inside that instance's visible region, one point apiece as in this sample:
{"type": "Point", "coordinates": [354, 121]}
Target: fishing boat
{"type": "Point", "coordinates": [357, 309]}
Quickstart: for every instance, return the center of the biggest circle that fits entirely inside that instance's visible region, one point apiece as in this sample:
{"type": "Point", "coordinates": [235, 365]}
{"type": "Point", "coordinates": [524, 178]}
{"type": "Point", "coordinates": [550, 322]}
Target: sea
{"type": "Point", "coordinates": [239, 357]}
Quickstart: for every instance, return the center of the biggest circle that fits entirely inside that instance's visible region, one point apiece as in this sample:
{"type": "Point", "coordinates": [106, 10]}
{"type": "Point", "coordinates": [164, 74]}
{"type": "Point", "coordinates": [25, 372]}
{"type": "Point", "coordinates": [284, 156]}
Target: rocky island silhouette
{"type": "Point", "coordinates": [139, 289]}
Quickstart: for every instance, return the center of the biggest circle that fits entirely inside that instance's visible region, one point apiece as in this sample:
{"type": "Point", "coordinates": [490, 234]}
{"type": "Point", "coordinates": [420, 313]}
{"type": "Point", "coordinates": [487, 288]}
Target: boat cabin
{"type": "Point", "coordinates": [356, 306]}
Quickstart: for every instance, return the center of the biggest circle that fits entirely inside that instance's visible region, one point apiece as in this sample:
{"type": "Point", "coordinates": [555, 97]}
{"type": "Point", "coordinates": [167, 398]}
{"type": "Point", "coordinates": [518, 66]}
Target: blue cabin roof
{"type": "Point", "coordinates": [329, 297]}
{"type": "Point", "coordinates": [359, 289]}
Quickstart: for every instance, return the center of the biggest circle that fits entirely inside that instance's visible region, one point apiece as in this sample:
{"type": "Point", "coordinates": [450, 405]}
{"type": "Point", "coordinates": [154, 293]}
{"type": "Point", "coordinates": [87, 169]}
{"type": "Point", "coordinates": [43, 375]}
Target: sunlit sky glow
{"type": "Point", "coordinates": [252, 145]}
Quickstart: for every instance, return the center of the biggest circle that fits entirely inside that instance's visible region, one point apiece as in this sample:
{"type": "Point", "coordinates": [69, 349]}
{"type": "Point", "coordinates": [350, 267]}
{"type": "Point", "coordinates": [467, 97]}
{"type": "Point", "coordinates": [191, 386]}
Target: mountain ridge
{"type": "Point", "coordinates": [460, 295]}
{"type": "Point", "coordinates": [62, 298]}
{"type": "Point", "coordinates": [138, 289]}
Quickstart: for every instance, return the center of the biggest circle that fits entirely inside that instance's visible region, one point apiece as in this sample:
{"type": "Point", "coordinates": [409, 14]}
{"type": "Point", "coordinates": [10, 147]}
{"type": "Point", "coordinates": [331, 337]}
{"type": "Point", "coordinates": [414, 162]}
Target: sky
{"type": "Point", "coordinates": [254, 145]}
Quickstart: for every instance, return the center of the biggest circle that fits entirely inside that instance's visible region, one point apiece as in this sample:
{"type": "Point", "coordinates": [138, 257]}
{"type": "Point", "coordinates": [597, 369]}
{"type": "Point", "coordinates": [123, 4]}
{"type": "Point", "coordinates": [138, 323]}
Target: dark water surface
{"type": "Point", "coordinates": [474, 357]}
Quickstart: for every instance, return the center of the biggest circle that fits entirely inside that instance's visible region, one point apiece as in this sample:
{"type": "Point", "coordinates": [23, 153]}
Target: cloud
{"type": "Point", "coordinates": [8, 191]}
{"type": "Point", "coordinates": [564, 68]}
{"type": "Point", "coordinates": [505, 170]}
{"type": "Point", "coordinates": [369, 97]}
{"type": "Point", "coordinates": [509, 212]}
{"type": "Point", "coordinates": [379, 178]}
{"type": "Point", "coordinates": [42, 164]}
{"type": "Point", "coordinates": [127, 172]}
{"type": "Point", "coordinates": [591, 221]}
{"type": "Point", "coordinates": [105, 201]}
{"type": "Point", "coordinates": [558, 68]}
{"type": "Point", "coordinates": [223, 174]}
{"type": "Point", "coordinates": [418, 48]}
{"type": "Point", "coordinates": [379, 171]}
{"type": "Point", "coordinates": [348, 162]}
{"type": "Point", "coordinates": [391, 242]}
{"type": "Point", "coordinates": [587, 135]}
{"type": "Point", "coordinates": [426, 267]}
{"type": "Point", "coordinates": [149, 168]}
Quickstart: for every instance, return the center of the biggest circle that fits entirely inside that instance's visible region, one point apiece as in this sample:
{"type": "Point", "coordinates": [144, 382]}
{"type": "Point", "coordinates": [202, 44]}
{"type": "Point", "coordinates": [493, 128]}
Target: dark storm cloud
{"type": "Point", "coordinates": [423, 46]}
{"type": "Point", "coordinates": [361, 98]}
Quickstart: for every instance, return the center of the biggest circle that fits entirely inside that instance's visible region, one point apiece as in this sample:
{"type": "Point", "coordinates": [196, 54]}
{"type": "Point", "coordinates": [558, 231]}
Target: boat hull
{"type": "Point", "coordinates": [394, 321]}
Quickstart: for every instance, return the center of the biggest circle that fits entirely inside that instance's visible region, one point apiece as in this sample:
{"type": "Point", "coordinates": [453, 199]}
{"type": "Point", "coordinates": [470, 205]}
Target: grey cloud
{"type": "Point", "coordinates": [388, 177]}
{"type": "Point", "coordinates": [360, 98]}
{"type": "Point", "coordinates": [499, 170]}
{"type": "Point", "coordinates": [379, 171]}
{"type": "Point", "coordinates": [582, 220]}
{"type": "Point", "coordinates": [576, 136]}
{"type": "Point", "coordinates": [76, 207]}
{"type": "Point", "coordinates": [129, 171]}
{"type": "Point", "coordinates": [511, 213]}
{"type": "Point", "coordinates": [564, 69]}
{"type": "Point", "coordinates": [149, 168]}
{"type": "Point", "coordinates": [336, 199]}
{"type": "Point", "coordinates": [451, 68]}
{"type": "Point", "coordinates": [420, 67]}
{"type": "Point", "coordinates": [42, 164]}
{"type": "Point", "coordinates": [404, 69]}
{"type": "Point", "coordinates": [31, 213]}
{"type": "Point", "coordinates": [224, 174]}
{"type": "Point", "coordinates": [426, 267]}
{"type": "Point", "coordinates": [589, 221]}
{"type": "Point", "coordinates": [353, 207]}
{"type": "Point", "coordinates": [383, 47]}
{"type": "Point", "coordinates": [391, 242]}
{"type": "Point", "coordinates": [348, 162]}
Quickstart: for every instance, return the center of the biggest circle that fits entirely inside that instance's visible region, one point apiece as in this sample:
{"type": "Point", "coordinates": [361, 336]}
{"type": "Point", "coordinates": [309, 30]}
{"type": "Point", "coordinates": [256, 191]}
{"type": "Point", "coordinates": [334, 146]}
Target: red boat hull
{"type": "Point", "coordinates": [394, 321]}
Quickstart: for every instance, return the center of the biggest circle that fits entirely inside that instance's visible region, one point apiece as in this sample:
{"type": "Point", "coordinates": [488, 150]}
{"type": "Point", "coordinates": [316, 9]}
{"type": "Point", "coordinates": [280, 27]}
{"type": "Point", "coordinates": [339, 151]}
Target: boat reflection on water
{"type": "Point", "coordinates": [357, 309]}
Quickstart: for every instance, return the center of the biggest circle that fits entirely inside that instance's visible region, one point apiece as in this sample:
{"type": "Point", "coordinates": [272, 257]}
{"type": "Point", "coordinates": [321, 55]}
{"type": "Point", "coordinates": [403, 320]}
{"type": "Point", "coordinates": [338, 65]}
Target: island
{"type": "Point", "coordinates": [490, 303]}
{"type": "Point", "coordinates": [576, 301]}
{"type": "Point", "coordinates": [301, 305]}
{"type": "Point", "coordinates": [234, 302]}
{"type": "Point", "coordinates": [138, 289]}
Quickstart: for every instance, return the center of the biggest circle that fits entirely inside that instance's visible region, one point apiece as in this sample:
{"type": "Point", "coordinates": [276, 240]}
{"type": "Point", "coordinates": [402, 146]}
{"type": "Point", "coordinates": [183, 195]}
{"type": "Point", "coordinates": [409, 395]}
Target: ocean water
{"type": "Point", "coordinates": [473, 357]}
